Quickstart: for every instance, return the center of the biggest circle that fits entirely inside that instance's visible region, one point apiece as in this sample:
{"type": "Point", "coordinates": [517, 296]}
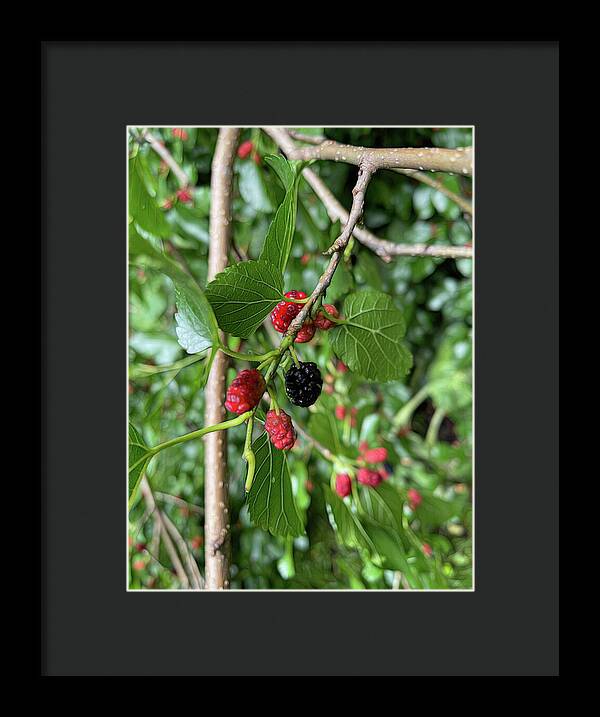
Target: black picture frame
{"type": "Point", "coordinates": [90, 625]}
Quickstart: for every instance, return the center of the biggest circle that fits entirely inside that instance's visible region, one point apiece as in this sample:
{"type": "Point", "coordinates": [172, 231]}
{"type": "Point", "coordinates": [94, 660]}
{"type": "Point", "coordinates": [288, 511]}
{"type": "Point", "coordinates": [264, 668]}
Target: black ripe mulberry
{"type": "Point", "coordinates": [303, 384]}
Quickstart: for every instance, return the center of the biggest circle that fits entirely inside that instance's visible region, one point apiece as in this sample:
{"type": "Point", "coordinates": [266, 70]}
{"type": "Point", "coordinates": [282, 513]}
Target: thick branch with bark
{"type": "Point", "coordinates": [385, 249]}
{"type": "Point", "coordinates": [462, 202]}
{"type": "Point", "coordinates": [433, 159]}
{"type": "Point", "coordinates": [216, 489]}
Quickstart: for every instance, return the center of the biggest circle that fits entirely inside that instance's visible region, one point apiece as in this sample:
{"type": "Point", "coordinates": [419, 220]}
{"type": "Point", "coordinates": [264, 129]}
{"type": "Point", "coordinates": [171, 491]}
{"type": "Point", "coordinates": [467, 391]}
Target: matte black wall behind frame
{"type": "Point", "coordinates": [509, 626]}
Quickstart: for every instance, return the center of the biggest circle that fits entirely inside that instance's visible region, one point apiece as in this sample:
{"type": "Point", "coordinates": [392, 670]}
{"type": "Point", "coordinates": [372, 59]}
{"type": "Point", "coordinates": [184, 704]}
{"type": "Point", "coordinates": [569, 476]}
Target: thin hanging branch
{"type": "Point", "coordinates": [216, 489]}
{"type": "Point", "coordinates": [385, 249]}
{"type": "Point", "coordinates": [336, 250]}
{"type": "Point", "coordinates": [166, 539]}
{"type": "Point", "coordinates": [166, 156]}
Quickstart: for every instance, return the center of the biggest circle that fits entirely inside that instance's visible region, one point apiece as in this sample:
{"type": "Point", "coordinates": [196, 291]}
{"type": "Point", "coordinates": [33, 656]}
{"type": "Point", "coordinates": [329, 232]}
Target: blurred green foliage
{"type": "Point", "coordinates": [435, 296]}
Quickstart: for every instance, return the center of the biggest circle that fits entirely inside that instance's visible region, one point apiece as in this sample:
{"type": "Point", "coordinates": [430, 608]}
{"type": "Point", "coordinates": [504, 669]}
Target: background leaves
{"type": "Point", "coordinates": [434, 297]}
{"type": "Point", "coordinates": [196, 323]}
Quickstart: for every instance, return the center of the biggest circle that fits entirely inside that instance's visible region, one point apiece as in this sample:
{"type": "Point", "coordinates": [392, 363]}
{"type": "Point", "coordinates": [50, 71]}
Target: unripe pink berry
{"type": "Point", "coordinates": [180, 133]}
{"type": "Point", "coordinates": [376, 455]}
{"type": "Point", "coordinates": [340, 412]}
{"type": "Point", "coordinates": [368, 477]}
{"type": "Point", "coordinates": [343, 485]}
{"type": "Point", "coordinates": [244, 149]}
{"type": "Point", "coordinates": [414, 498]}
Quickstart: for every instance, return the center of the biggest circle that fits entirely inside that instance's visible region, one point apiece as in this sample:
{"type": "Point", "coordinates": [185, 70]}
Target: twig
{"type": "Point", "coordinates": [336, 250]}
{"type": "Point", "coordinates": [320, 447]}
{"type": "Point", "coordinates": [463, 203]}
{"type": "Point", "coordinates": [166, 156]}
{"type": "Point", "coordinates": [385, 249]}
{"type": "Point", "coordinates": [307, 138]}
{"type": "Point", "coordinates": [216, 489]}
{"type": "Point", "coordinates": [176, 500]}
{"type": "Point", "coordinates": [365, 172]}
{"type": "Point", "coordinates": [192, 568]}
{"type": "Point", "coordinates": [170, 548]}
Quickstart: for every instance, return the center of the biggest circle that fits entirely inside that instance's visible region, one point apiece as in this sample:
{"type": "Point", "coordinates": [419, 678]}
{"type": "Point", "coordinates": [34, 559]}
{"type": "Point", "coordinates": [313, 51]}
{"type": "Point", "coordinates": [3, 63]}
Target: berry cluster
{"type": "Point", "coordinates": [341, 412]}
{"type": "Point", "coordinates": [303, 382]}
{"type": "Point", "coordinates": [286, 311]}
{"type": "Point", "coordinates": [373, 469]}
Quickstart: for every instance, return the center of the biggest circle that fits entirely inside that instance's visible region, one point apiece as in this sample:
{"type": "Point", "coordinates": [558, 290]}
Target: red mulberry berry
{"type": "Point", "coordinates": [341, 367]}
{"type": "Point", "coordinates": [414, 498]}
{"type": "Point", "coordinates": [285, 312]}
{"type": "Point", "coordinates": [245, 391]}
{"type": "Point", "coordinates": [184, 195]}
{"type": "Point", "coordinates": [306, 332]}
{"type": "Point", "coordinates": [244, 149]}
{"type": "Point", "coordinates": [167, 204]}
{"type": "Point", "coordinates": [321, 319]}
{"type": "Point", "coordinates": [280, 430]}
{"type": "Point", "coordinates": [256, 158]}
{"type": "Point", "coordinates": [368, 477]}
{"type": "Point", "coordinates": [427, 549]}
{"type": "Point", "coordinates": [180, 133]}
{"type": "Point", "coordinates": [343, 485]}
{"type": "Point", "coordinates": [376, 455]}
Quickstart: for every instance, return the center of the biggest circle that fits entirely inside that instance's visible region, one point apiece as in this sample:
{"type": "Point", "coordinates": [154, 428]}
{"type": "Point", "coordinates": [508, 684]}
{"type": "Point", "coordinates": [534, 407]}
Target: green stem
{"type": "Point", "coordinates": [273, 397]}
{"type": "Point", "coordinates": [434, 426]}
{"type": "Point", "coordinates": [332, 318]}
{"type": "Point", "coordinates": [294, 356]}
{"type": "Point", "coordinates": [202, 432]}
{"type": "Point", "coordinates": [404, 415]}
{"type": "Point", "coordinates": [248, 454]}
{"type": "Point", "coordinates": [248, 357]}
{"type": "Point", "coordinates": [142, 370]}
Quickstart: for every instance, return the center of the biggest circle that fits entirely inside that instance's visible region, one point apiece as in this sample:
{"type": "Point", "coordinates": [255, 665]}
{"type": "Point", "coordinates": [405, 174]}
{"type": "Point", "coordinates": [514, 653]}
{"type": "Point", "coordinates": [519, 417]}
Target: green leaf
{"type": "Point", "coordinates": [278, 242]}
{"type": "Point", "coordinates": [434, 511]}
{"type": "Point", "coordinates": [389, 546]}
{"type": "Point", "coordinates": [369, 341]}
{"type": "Point", "coordinates": [139, 457]}
{"type": "Point", "coordinates": [142, 207]}
{"type": "Point", "coordinates": [322, 426]}
{"type": "Point", "coordinates": [384, 504]}
{"type": "Point", "coordinates": [243, 295]}
{"type": "Point", "coordinates": [349, 529]}
{"type": "Point", "coordinates": [196, 323]}
{"type": "Point", "coordinates": [270, 500]}
{"type": "Point", "coordinates": [252, 187]}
